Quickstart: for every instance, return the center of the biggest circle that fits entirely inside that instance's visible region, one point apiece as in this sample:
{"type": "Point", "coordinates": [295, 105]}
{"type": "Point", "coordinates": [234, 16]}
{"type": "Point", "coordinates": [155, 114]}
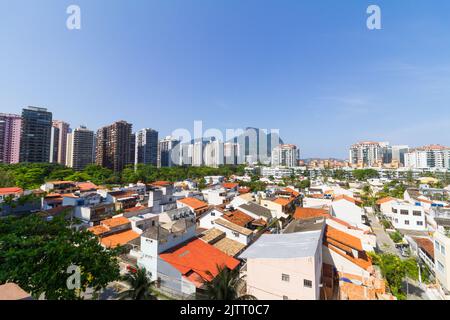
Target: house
{"type": "Point", "coordinates": [424, 249]}
{"type": "Point", "coordinates": [11, 291]}
{"type": "Point", "coordinates": [316, 201]}
{"type": "Point", "coordinates": [406, 216]}
{"type": "Point", "coordinates": [280, 207]}
{"type": "Point", "coordinates": [284, 266]}
{"type": "Point", "coordinates": [219, 196]}
{"type": "Point", "coordinates": [346, 208]}
{"type": "Point", "coordinates": [234, 231]}
{"type": "Point", "coordinates": [197, 206]}
{"type": "Point", "coordinates": [87, 186]}
{"type": "Point", "coordinates": [115, 232]}
{"type": "Point", "coordinates": [14, 193]}
{"type": "Point", "coordinates": [60, 187]}
{"type": "Point", "coordinates": [184, 269]}
{"type": "Point", "coordinates": [256, 211]}
{"type": "Point", "coordinates": [366, 236]}
{"type": "Point", "coordinates": [441, 242]}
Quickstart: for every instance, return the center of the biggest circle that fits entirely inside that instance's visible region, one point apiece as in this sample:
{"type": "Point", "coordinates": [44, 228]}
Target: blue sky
{"type": "Point", "coordinates": [309, 68]}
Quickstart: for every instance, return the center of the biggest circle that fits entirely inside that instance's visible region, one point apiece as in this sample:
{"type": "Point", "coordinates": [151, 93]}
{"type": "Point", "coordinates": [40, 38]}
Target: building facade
{"type": "Point", "coordinates": [63, 129]}
{"type": "Point", "coordinates": [428, 157]}
{"type": "Point", "coordinates": [35, 135]}
{"type": "Point", "coordinates": [146, 147]}
{"type": "Point", "coordinates": [369, 153]}
{"type": "Point", "coordinates": [285, 155]}
{"type": "Point", "coordinates": [166, 152]}
{"type": "Point", "coordinates": [113, 146]}
{"type": "Point", "coordinates": [10, 125]}
{"type": "Point", "coordinates": [80, 148]}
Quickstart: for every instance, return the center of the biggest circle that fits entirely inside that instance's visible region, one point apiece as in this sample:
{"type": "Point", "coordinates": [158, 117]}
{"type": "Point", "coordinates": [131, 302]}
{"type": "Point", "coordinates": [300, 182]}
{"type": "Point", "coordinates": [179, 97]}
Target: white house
{"type": "Point", "coordinates": [408, 217]}
{"type": "Point", "coordinates": [345, 208]}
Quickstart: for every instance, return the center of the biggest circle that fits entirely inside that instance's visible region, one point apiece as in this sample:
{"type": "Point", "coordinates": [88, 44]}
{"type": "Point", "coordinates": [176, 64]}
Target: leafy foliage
{"type": "Point", "coordinates": [225, 286]}
{"type": "Point", "coordinates": [364, 174]}
{"type": "Point", "coordinates": [35, 254]}
{"type": "Point", "coordinates": [140, 286]}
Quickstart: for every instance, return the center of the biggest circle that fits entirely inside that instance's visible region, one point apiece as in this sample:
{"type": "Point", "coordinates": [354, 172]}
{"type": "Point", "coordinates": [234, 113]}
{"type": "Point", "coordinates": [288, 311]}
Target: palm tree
{"type": "Point", "coordinates": [140, 286]}
{"type": "Point", "coordinates": [225, 286]}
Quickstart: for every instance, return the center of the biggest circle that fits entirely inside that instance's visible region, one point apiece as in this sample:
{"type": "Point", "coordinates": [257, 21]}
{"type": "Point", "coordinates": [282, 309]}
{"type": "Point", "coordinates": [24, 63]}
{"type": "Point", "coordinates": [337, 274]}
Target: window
{"type": "Point", "coordinates": [407, 222]}
{"type": "Point", "coordinates": [436, 244]}
{"type": "Point", "coordinates": [396, 220]}
{"type": "Point", "coordinates": [420, 223]}
{"type": "Point", "coordinates": [417, 213]}
{"type": "Point", "coordinates": [440, 266]}
{"type": "Point", "coordinates": [443, 250]}
{"type": "Point", "coordinates": [307, 283]}
{"type": "Point", "coordinates": [213, 214]}
{"type": "Point", "coordinates": [404, 212]}
{"type": "Point", "coordinates": [236, 234]}
{"type": "Point", "coordinates": [394, 210]}
{"type": "Point", "coordinates": [284, 277]}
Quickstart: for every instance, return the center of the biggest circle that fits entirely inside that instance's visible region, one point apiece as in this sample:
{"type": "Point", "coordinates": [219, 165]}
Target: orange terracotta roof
{"type": "Point", "coordinates": [98, 230]}
{"type": "Point", "coordinates": [60, 182]}
{"type": "Point", "coordinates": [283, 201]}
{"type": "Point", "coordinates": [135, 209]}
{"type": "Point", "coordinates": [86, 186]}
{"type": "Point", "coordinates": [384, 200]}
{"type": "Point", "coordinates": [292, 191]}
{"type": "Point", "coordinates": [344, 197]}
{"type": "Point", "coordinates": [194, 203]}
{"type": "Point", "coordinates": [53, 195]}
{"type": "Point", "coordinates": [119, 239]}
{"type": "Point", "coordinates": [238, 217]}
{"type": "Point", "coordinates": [69, 195]}
{"type": "Point", "coordinates": [308, 213]}
{"type": "Point", "coordinates": [343, 238]}
{"type": "Point", "coordinates": [244, 190]}
{"type": "Point", "coordinates": [364, 262]}
{"type": "Point", "coordinates": [230, 185]}
{"type": "Point", "coordinates": [345, 223]}
{"type": "Point", "coordinates": [114, 222]}
{"type": "Point", "coordinates": [426, 245]}
{"type": "Point", "coordinates": [259, 223]}
{"type": "Point", "coordinates": [161, 183]}
{"type": "Point", "coordinates": [198, 261]}
{"type": "Point", "coordinates": [7, 191]}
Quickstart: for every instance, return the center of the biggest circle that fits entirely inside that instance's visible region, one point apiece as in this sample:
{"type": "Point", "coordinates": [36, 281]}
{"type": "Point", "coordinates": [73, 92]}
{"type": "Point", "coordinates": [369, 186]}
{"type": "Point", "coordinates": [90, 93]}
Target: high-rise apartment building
{"type": "Point", "coordinates": [54, 145]}
{"type": "Point", "coordinates": [285, 155]}
{"type": "Point", "coordinates": [213, 154]}
{"type": "Point", "coordinates": [63, 130]}
{"type": "Point", "coordinates": [35, 135]}
{"type": "Point", "coordinates": [369, 153]}
{"type": "Point", "coordinates": [428, 157]}
{"type": "Point", "coordinates": [167, 157]}
{"type": "Point", "coordinates": [147, 147]}
{"type": "Point", "coordinates": [230, 153]}
{"type": "Point", "coordinates": [398, 153]}
{"type": "Point", "coordinates": [10, 125]}
{"type": "Point", "coordinates": [80, 148]}
{"type": "Point", "coordinates": [113, 146]}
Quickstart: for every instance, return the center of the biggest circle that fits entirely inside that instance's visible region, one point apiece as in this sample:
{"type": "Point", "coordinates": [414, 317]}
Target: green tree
{"type": "Point", "coordinates": [140, 286]}
{"type": "Point", "coordinates": [364, 174]}
{"type": "Point", "coordinates": [225, 286]}
{"type": "Point", "coordinates": [36, 253]}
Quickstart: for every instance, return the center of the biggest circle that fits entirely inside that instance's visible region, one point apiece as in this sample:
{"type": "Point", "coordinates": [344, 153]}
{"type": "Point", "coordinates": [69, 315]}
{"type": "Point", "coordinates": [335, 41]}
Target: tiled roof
{"type": "Point", "coordinates": [87, 186]}
{"type": "Point", "coordinates": [384, 200]}
{"type": "Point", "coordinates": [98, 230]}
{"type": "Point", "coordinates": [350, 199]}
{"type": "Point", "coordinates": [6, 191]}
{"type": "Point", "coordinates": [229, 246]}
{"type": "Point", "coordinates": [161, 183]}
{"type": "Point", "coordinates": [337, 236]}
{"type": "Point", "coordinates": [114, 222]}
{"type": "Point", "coordinates": [256, 209]}
{"type": "Point", "coordinates": [212, 235]}
{"type": "Point", "coordinates": [230, 185]}
{"type": "Point", "coordinates": [308, 213]}
{"type": "Point", "coordinates": [194, 203]}
{"type": "Point", "coordinates": [119, 239]}
{"type": "Point", "coordinates": [292, 191]}
{"type": "Point", "coordinates": [198, 261]}
{"type": "Point", "coordinates": [238, 217]}
{"type": "Point", "coordinates": [426, 245]}
{"type": "Point", "coordinates": [233, 227]}
{"type": "Point", "coordinates": [283, 201]}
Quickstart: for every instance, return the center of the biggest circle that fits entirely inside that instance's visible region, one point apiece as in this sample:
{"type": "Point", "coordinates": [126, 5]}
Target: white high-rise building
{"type": "Point", "coordinates": [428, 157]}
{"type": "Point", "coordinates": [213, 154]}
{"type": "Point", "coordinates": [146, 148]}
{"type": "Point", "coordinates": [368, 153]}
{"type": "Point", "coordinates": [230, 153]}
{"type": "Point", "coordinates": [168, 154]}
{"type": "Point", "coordinates": [285, 155]}
{"type": "Point", "coordinates": [80, 148]}
{"type": "Point", "coordinates": [197, 153]}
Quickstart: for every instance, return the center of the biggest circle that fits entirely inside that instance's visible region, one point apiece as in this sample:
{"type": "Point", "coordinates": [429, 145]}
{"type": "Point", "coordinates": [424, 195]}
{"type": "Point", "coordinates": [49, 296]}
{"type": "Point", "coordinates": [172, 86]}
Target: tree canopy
{"type": "Point", "coordinates": [36, 254]}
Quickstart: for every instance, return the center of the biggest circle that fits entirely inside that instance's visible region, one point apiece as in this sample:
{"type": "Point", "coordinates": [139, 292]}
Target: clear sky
{"type": "Point", "coordinates": [310, 68]}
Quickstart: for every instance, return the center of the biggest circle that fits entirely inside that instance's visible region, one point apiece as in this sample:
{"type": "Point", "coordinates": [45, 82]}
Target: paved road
{"type": "Point", "coordinates": [385, 243]}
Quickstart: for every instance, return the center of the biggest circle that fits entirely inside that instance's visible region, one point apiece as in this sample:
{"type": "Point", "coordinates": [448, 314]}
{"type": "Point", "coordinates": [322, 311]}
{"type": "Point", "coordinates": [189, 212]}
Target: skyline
{"type": "Point", "coordinates": [312, 72]}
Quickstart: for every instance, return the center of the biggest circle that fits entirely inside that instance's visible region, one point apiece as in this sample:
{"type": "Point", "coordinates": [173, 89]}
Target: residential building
{"type": "Point", "coordinates": [213, 154]}
{"type": "Point", "coordinates": [230, 152]}
{"type": "Point", "coordinates": [368, 153]}
{"type": "Point", "coordinates": [167, 152]}
{"type": "Point", "coordinates": [80, 148]}
{"type": "Point", "coordinates": [10, 126]}
{"type": "Point", "coordinates": [113, 146]}
{"type": "Point", "coordinates": [347, 209]}
{"type": "Point", "coordinates": [285, 155]}
{"type": "Point", "coordinates": [399, 152]}
{"type": "Point", "coordinates": [63, 130]}
{"type": "Point", "coordinates": [441, 239]}
{"type": "Point", "coordinates": [284, 266]}
{"type": "Point", "coordinates": [406, 216]}
{"type": "Point", "coordinates": [147, 147]}
{"type": "Point", "coordinates": [54, 145]}
{"type": "Point", "coordinates": [428, 157]}
{"type": "Point", "coordinates": [35, 135]}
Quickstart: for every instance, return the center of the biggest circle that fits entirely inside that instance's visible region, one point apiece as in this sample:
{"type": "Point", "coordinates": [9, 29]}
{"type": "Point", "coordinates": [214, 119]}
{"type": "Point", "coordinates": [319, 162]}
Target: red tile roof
{"type": "Point", "coordinates": [344, 197]}
{"type": "Point", "coordinates": [161, 183]}
{"type": "Point", "coordinates": [308, 213]}
{"type": "Point", "coordinates": [198, 261]}
{"type": "Point", "coordinates": [238, 217]}
{"type": "Point", "coordinates": [292, 191]}
{"type": "Point", "coordinates": [230, 185]}
{"type": "Point", "coordinates": [426, 245]}
{"type": "Point", "coordinates": [384, 200]}
{"type": "Point", "coordinates": [114, 222]}
{"type": "Point", "coordinates": [119, 239]}
{"type": "Point", "coordinates": [8, 191]}
{"type": "Point", "coordinates": [194, 203]}
{"type": "Point", "coordinates": [87, 186]}
{"type": "Point", "coordinates": [343, 238]}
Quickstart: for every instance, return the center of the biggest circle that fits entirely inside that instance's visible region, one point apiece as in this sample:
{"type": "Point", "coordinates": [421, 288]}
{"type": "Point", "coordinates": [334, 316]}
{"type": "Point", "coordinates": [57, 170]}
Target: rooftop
{"type": "Point", "coordinates": [229, 246]}
{"type": "Point", "coordinates": [119, 239]}
{"type": "Point", "coordinates": [238, 217]}
{"type": "Point", "coordinates": [256, 209]}
{"type": "Point", "coordinates": [115, 222]}
{"type": "Point", "coordinates": [308, 213]}
{"type": "Point", "coordinates": [7, 191]}
{"type": "Point", "coordinates": [233, 227]}
{"type": "Point", "coordinates": [284, 246]}
{"type": "Point", "coordinates": [194, 203]}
